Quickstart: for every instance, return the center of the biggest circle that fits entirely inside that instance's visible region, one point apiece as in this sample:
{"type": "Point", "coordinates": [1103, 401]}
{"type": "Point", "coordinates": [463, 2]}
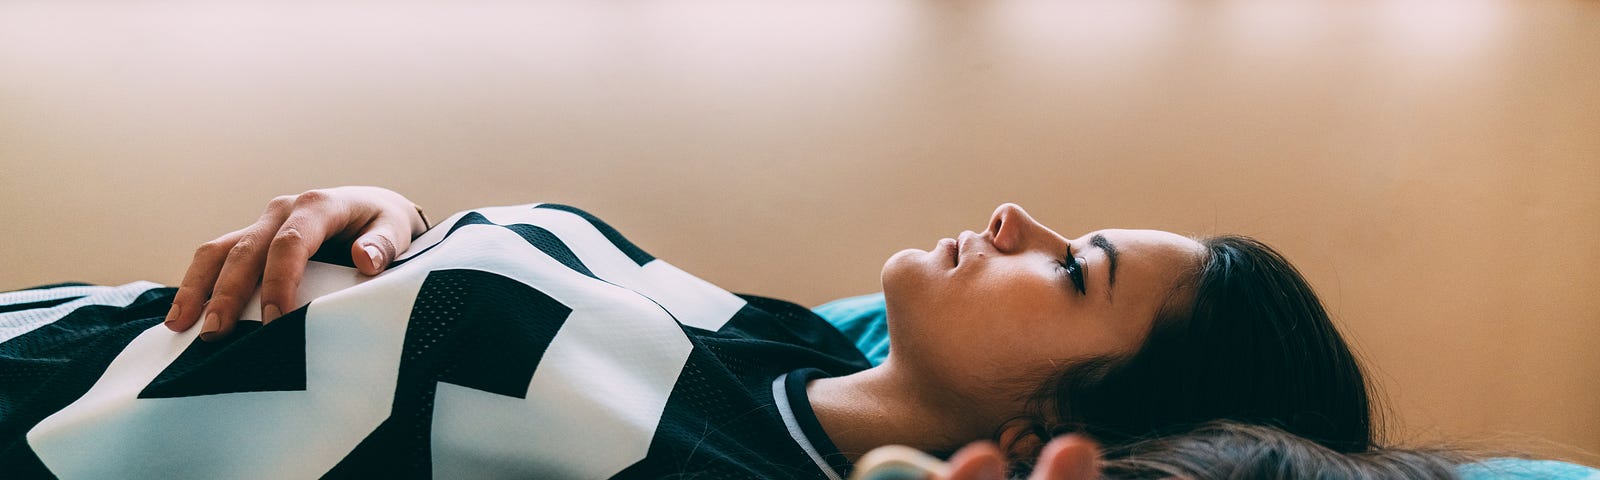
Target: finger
{"type": "Point", "coordinates": [241, 273]}
{"type": "Point", "coordinates": [198, 282]}
{"type": "Point", "coordinates": [381, 243]}
{"type": "Point", "coordinates": [1072, 457]}
{"type": "Point", "coordinates": [313, 221]}
{"type": "Point", "coordinates": [977, 461]}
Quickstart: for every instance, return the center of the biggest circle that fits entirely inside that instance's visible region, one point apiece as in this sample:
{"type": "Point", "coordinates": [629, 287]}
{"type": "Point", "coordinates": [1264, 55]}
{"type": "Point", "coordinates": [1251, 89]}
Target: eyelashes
{"type": "Point", "coordinates": [1074, 270]}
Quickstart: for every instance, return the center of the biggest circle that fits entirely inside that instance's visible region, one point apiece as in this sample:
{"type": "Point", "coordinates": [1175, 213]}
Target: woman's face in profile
{"type": "Point", "coordinates": [1009, 301]}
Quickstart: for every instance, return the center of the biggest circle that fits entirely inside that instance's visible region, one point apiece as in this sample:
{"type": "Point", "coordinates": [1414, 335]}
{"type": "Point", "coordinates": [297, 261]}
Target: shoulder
{"type": "Point", "coordinates": [1521, 468]}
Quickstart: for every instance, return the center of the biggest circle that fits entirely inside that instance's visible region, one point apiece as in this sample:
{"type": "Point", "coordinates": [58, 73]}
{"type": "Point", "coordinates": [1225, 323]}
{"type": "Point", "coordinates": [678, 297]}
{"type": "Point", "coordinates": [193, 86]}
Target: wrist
{"type": "Point", "coordinates": [421, 218]}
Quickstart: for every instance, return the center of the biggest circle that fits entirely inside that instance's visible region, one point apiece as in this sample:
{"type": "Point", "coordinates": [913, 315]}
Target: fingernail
{"type": "Point", "coordinates": [377, 257]}
{"type": "Point", "coordinates": [172, 314]}
{"type": "Point", "coordinates": [269, 313]}
{"type": "Point", "coordinates": [212, 325]}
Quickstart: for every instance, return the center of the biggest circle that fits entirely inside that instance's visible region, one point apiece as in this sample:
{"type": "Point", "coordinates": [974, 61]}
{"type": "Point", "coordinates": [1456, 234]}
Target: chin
{"type": "Point", "coordinates": [896, 264]}
{"type": "Point", "coordinates": [910, 278]}
{"type": "Point", "coordinates": [909, 267]}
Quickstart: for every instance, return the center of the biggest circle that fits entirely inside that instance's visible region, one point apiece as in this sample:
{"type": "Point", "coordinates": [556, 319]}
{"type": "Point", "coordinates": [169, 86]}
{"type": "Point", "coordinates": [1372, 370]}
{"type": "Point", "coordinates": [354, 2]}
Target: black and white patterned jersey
{"type": "Point", "coordinates": [528, 341]}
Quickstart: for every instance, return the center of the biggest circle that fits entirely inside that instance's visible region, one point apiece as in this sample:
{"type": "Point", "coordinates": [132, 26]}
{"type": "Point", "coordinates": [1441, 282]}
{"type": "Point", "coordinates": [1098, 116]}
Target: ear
{"type": "Point", "coordinates": [1072, 457]}
{"type": "Point", "coordinates": [1019, 442]}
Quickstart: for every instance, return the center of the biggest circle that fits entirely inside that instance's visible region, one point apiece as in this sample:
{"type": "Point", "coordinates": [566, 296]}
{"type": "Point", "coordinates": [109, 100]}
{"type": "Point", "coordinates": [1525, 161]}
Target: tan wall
{"type": "Point", "coordinates": [1434, 167]}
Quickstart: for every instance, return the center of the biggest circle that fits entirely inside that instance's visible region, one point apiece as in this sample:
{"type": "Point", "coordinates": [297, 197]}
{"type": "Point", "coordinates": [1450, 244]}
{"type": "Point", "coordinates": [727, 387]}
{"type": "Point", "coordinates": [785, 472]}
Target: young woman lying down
{"type": "Point", "coordinates": [536, 341]}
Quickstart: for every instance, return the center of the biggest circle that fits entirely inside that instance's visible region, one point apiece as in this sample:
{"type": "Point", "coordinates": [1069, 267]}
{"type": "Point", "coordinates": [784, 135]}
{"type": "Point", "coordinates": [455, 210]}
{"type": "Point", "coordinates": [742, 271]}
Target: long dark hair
{"type": "Point", "coordinates": [1243, 338]}
{"type": "Point", "coordinates": [1227, 450]}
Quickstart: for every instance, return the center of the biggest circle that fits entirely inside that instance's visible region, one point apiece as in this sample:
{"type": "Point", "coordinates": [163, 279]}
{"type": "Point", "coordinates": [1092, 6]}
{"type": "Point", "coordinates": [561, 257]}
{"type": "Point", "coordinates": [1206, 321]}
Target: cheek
{"type": "Point", "coordinates": [1038, 325]}
{"type": "Point", "coordinates": [985, 322]}
{"type": "Point", "coordinates": [1015, 329]}
{"type": "Point", "coordinates": [1091, 334]}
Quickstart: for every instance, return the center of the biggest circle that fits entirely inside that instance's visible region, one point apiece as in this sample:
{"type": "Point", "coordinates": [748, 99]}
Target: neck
{"type": "Point", "coordinates": [884, 406]}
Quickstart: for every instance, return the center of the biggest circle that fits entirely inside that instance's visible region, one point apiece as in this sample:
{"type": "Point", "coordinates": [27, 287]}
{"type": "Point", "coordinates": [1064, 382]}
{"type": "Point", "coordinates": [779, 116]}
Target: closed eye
{"type": "Point", "coordinates": [1074, 268]}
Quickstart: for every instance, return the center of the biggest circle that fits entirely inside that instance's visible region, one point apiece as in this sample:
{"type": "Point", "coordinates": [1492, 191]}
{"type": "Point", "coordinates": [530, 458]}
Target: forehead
{"type": "Point", "coordinates": [1149, 262]}
{"type": "Point", "coordinates": [1148, 242]}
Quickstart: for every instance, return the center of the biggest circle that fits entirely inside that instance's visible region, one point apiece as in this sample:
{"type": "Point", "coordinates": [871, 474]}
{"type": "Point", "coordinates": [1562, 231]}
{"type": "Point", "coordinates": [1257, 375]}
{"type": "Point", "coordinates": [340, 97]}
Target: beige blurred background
{"type": "Point", "coordinates": [1433, 167]}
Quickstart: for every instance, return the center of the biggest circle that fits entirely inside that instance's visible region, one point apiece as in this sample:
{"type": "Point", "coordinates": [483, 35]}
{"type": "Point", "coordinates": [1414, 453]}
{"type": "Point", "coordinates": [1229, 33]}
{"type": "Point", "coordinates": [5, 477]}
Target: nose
{"type": "Point", "coordinates": [1011, 228]}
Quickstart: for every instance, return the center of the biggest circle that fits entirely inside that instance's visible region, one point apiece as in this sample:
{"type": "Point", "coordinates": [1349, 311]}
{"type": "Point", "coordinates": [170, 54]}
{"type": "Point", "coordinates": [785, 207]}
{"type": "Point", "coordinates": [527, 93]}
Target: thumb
{"type": "Point", "coordinates": [379, 245]}
{"type": "Point", "coordinates": [1073, 457]}
{"type": "Point", "coordinates": [977, 461]}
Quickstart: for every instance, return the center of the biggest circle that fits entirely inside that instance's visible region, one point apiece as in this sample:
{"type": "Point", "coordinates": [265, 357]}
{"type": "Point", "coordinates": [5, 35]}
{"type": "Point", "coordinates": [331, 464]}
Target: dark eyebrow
{"type": "Point", "coordinates": [1099, 240]}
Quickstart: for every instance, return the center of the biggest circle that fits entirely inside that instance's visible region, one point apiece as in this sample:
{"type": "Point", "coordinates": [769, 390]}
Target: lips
{"type": "Point", "coordinates": [962, 242]}
{"type": "Point", "coordinates": [970, 241]}
{"type": "Point", "coordinates": [953, 247]}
